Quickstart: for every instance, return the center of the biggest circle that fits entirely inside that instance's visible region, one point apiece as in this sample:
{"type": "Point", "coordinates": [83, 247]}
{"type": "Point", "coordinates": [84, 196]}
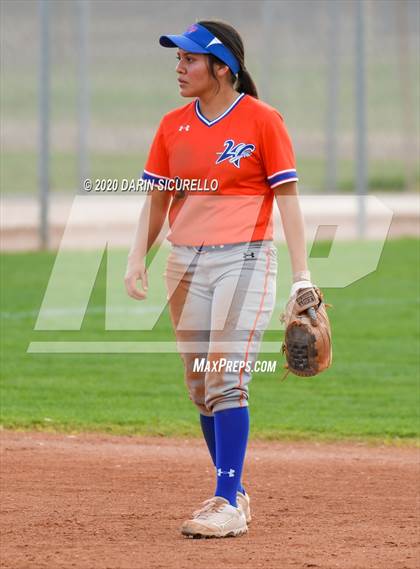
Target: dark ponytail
{"type": "Point", "coordinates": [246, 83]}
{"type": "Point", "coordinates": [227, 34]}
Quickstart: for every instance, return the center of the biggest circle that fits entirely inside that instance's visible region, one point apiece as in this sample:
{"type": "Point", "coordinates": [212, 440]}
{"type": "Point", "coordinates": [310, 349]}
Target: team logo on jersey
{"type": "Point", "coordinates": [235, 153]}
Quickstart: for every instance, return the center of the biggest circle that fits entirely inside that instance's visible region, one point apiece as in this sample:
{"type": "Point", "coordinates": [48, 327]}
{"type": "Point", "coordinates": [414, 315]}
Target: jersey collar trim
{"type": "Point", "coordinates": [217, 119]}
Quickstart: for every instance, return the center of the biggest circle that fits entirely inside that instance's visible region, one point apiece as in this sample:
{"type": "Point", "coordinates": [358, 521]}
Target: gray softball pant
{"type": "Point", "coordinates": [221, 299]}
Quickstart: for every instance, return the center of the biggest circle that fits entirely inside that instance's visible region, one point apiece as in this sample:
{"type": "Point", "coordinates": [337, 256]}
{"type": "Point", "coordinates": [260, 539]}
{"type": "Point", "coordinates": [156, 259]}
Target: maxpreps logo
{"type": "Point", "coordinates": [235, 153]}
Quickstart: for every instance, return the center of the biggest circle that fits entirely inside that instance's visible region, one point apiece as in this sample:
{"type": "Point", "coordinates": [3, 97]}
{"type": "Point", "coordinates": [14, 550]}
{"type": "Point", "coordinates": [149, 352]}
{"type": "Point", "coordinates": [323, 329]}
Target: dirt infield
{"type": "Point", "coordinates": [94, 502]}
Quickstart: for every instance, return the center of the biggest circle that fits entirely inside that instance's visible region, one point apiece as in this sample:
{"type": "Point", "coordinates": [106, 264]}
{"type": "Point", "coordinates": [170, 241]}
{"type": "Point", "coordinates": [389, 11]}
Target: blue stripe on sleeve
{"type": "Point", "coordinates": [153, 177]}
{"type": "Point", "coordinates": [281, 177]}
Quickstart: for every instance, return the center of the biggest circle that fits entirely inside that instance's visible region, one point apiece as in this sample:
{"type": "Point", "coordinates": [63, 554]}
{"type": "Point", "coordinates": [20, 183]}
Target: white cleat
{"type": "Point", "coordinates": [243, 501]}
{"type": "Point", "coordinates": [244, 504]}
{"type": "Point", "coordinates": [217, 518]}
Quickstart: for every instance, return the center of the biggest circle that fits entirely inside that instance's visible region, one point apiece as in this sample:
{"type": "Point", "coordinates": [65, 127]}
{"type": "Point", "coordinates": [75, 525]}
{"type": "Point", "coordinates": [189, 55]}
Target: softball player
{"type": "Point", "coordinates": [216, 165]}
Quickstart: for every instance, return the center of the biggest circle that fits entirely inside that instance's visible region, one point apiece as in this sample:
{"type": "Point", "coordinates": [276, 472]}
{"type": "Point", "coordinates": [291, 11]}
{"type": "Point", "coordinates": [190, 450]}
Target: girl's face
{"type": "Point", "coordinates": [194, 78]}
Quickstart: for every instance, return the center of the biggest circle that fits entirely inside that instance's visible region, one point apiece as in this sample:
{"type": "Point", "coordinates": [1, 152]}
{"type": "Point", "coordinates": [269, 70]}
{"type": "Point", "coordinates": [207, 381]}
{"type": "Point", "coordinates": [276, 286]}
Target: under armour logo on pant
{"type": "Point", "coordinates": [230, 472]}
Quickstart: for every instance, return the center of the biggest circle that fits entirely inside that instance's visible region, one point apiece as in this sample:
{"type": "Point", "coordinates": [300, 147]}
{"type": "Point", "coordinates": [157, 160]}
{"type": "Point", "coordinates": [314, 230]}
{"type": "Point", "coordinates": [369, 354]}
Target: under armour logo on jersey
{"type": "Point", "coordinates": [235, 153]}
{"type": "Point", "coordinates": [184, 127]}
{"type": "Point", "coordinates": [230, 472]}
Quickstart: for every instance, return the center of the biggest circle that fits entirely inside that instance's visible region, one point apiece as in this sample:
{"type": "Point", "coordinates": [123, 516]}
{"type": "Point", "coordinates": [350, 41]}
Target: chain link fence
{"type": "Point", "coordinates": [300, 53]}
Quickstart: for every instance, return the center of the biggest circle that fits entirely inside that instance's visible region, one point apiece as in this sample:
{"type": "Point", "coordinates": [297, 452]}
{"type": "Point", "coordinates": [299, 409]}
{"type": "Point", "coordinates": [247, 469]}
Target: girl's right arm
{"type": "Point", "coordinates": [151, 220]}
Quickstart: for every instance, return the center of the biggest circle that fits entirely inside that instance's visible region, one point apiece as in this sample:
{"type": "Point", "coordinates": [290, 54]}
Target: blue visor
{"type": "Point", "coordinates": [198, 39]}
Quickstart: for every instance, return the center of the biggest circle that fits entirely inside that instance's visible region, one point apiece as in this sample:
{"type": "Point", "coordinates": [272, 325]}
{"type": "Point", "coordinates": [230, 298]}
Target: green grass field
{"type": "Point", "coordinates": [372, 391]}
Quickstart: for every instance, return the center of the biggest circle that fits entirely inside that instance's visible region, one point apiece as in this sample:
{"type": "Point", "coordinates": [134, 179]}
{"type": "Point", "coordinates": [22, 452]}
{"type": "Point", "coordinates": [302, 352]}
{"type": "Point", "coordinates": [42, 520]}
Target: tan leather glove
{"type": "Point", "coordinates": [307, 340]}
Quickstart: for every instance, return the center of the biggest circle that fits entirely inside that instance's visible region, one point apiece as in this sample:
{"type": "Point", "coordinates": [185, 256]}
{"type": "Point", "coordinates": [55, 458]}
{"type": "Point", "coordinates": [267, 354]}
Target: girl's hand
{"type": "Point", "coordinates": [298, 285]}
{"type": "Point", "coordinates": [285, 317]}
{"type": "Point", "coordinates": [136, 271]}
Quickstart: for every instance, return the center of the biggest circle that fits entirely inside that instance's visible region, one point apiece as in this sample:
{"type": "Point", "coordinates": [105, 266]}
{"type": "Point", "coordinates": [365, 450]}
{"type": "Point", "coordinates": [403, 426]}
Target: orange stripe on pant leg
{"type": "Point", "coordinates": [267, 268]}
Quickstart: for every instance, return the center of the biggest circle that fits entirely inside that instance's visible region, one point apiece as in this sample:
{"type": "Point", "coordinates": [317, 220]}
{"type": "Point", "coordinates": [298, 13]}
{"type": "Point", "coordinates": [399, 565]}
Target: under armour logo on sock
{"type": "Point", "coordinates": [249, 255]}
{"type": "Point", "coordinates": [230, 472]}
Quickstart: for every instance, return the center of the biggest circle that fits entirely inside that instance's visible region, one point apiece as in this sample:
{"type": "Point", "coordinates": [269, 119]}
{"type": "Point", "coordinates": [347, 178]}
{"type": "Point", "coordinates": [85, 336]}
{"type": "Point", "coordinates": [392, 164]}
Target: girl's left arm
{"type": "Point", "coordinates": [294, 229]}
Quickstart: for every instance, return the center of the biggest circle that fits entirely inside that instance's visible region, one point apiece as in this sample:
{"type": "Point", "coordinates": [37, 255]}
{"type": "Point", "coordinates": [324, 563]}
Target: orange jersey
{"type": "Point", "coordinates": [227, 169]}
